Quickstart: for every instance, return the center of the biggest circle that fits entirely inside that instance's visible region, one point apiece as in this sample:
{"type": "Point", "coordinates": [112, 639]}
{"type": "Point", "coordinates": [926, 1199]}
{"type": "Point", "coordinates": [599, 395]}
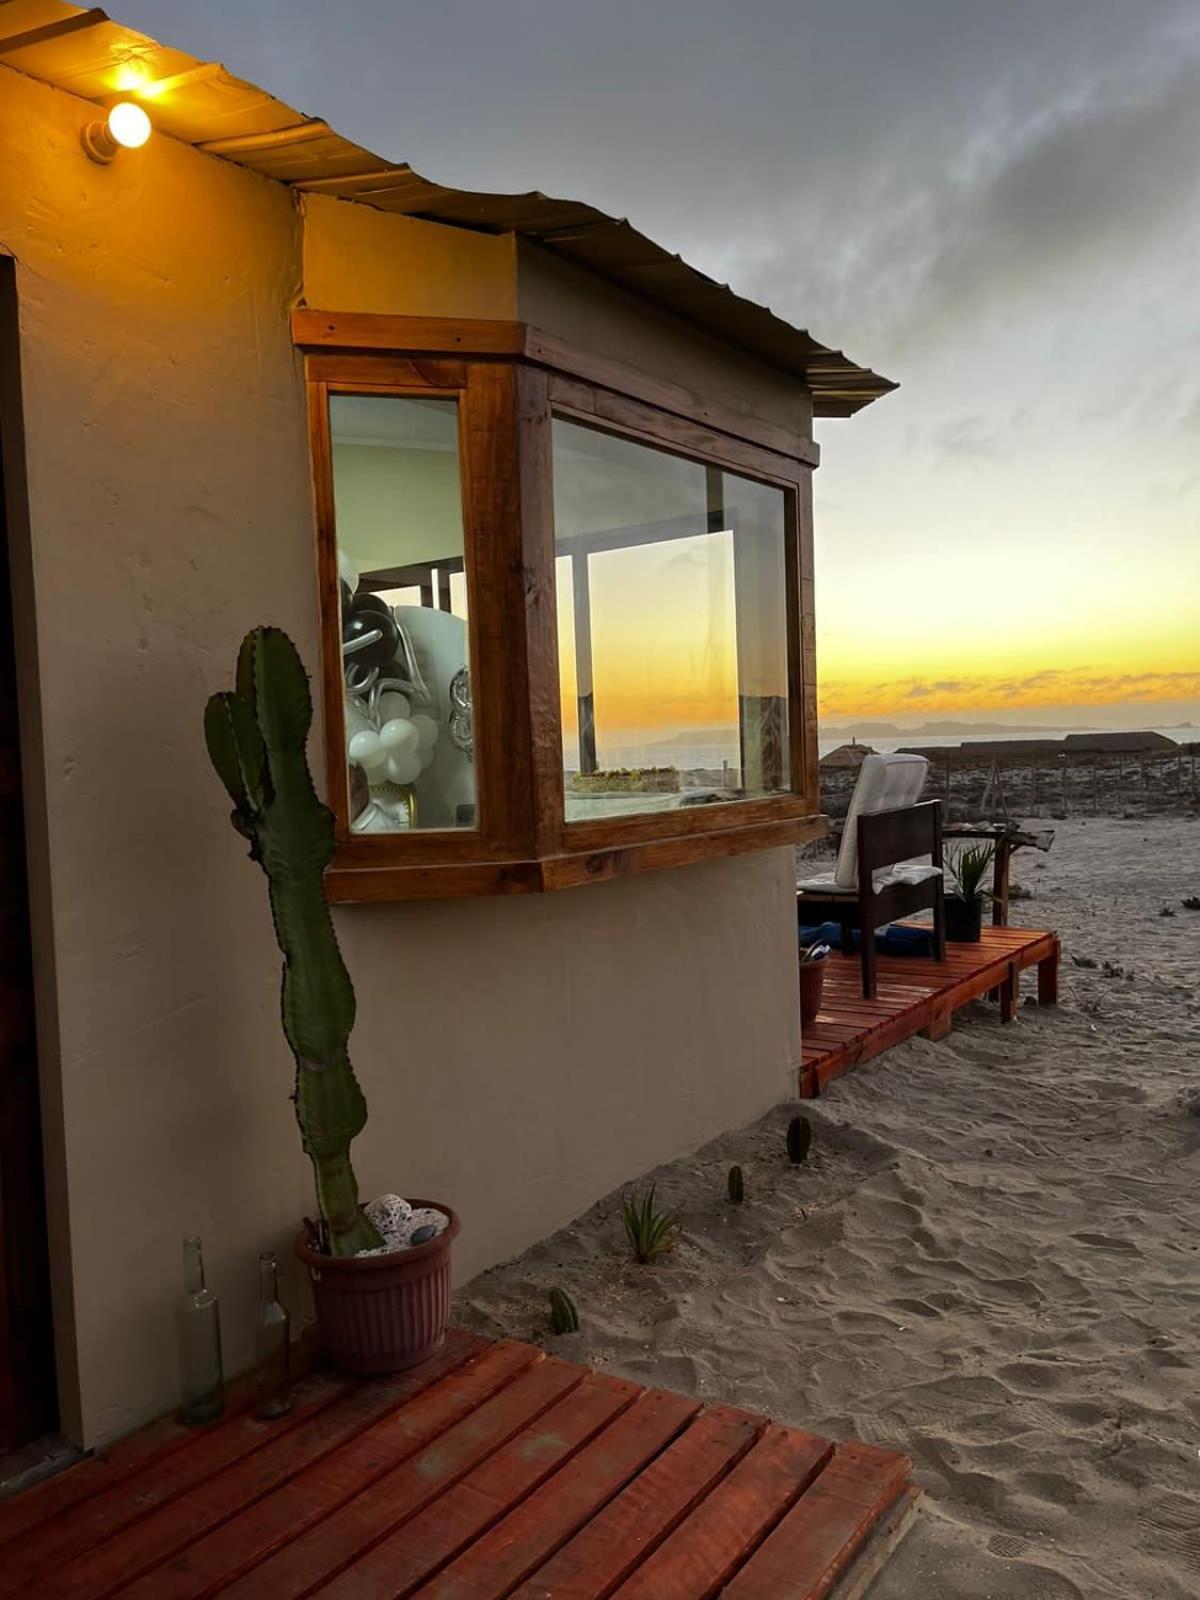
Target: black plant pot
{"type": "Point", "coordinates": [964, 919]}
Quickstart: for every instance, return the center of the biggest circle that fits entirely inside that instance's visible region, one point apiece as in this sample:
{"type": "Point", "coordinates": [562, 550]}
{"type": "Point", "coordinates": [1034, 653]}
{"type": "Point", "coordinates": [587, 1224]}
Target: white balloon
{"type": "Point", "coordinates": [426, 759]}
{"type": "Point", "coordinates": [399, 737]}
{"type": "Point", "coordinates": [348, 570]}
{"type": "Point", "coordinates": [394, 704]}
{"type": "Point", "coordinates": [365, 750]}
{"type": "Point", "coordinates": [427, 730]}
{"type": "Point", "coordinates": [403, 768]}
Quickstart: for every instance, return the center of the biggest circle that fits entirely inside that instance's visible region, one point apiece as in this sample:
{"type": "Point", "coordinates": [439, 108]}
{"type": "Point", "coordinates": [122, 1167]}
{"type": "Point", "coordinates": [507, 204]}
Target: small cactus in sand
{"type": "Point", "coordinates": [799, 1138]}
{"type": "Point", "coordinates": [737, 1186]}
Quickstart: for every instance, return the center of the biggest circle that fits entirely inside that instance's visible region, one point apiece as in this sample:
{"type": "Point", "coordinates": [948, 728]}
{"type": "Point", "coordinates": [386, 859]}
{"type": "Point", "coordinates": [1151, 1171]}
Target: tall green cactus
{"type": "Point", "coordinates": [256, 739]}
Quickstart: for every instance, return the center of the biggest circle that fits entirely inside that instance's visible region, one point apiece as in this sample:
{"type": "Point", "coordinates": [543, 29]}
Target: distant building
{"type": "Point", "coordinates": [1119, 743]}
{"type": "Point", "coordinates": [847, 757]}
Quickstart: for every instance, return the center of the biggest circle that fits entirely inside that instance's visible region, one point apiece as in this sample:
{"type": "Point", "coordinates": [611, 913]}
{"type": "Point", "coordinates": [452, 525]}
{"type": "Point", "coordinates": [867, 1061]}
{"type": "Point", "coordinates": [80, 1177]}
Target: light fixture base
{"type": "Point", "coordinates": [98, 143]}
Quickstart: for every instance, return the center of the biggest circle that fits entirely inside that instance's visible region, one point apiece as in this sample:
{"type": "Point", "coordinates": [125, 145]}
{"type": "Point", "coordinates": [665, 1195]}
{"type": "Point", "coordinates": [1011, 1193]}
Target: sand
{"type": "Point", "coordinates": [992, 1259]}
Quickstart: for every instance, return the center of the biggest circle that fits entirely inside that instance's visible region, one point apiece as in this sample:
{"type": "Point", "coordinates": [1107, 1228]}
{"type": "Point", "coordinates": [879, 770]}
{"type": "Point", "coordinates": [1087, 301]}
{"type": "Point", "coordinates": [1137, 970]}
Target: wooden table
{"type": "Point", "coordinates": [1007, 838]}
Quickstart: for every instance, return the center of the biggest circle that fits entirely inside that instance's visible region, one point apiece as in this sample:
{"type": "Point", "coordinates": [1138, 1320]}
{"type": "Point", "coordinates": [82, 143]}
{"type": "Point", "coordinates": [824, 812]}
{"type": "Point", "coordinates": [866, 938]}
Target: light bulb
{"type": "Point", "coordinates": [126, 126]}
{"type": "Point", "coordinates": [129, 125]}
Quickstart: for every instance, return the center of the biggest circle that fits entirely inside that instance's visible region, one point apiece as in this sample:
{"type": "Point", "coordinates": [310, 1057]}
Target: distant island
{"type": "Point", "coordinates": [950, 730]}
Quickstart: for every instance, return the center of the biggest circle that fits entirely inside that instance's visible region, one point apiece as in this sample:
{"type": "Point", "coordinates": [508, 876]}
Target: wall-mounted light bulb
{"type": "Point", "coordinates": [126, 127]}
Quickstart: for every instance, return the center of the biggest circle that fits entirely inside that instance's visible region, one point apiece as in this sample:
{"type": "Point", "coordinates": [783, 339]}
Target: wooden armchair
{"type": "Point", "coordinates": [889, 864]}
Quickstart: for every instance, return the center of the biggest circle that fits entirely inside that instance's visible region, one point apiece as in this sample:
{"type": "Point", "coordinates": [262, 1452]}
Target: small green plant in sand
{"type": "Point", "coordinates": [564, 1318]}
{"type": "Point", "coordinates": [737, 1186]}
{"type": "Point", "coordinates": [967, 867]}
{"type": "Point", "coordinates": [799, 1140]}
{"type": "Point", "coordinates": [650, 1232]}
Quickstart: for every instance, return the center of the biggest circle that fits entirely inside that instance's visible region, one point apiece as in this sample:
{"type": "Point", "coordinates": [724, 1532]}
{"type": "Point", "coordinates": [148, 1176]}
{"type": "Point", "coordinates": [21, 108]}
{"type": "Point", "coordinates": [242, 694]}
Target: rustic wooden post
{"type": "Point", "coordinates": [1065, 804]}
{"type": "Point", "coordinates": [1033, 787]}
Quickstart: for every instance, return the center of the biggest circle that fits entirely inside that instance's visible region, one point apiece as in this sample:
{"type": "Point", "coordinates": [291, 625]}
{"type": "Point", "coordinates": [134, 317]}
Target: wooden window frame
{"type": "Point", "coordinates": [509, 381]}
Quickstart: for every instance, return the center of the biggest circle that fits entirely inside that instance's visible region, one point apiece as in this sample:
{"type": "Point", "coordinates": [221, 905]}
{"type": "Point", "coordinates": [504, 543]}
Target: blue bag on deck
{"type": "Point", "coordinates": [896, 940]}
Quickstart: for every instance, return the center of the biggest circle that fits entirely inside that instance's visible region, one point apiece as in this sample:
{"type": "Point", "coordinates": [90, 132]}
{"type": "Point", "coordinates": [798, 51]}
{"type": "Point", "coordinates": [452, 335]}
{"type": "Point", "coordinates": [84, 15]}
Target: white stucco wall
{"type": "Point", "coordinates": [521, 1056]}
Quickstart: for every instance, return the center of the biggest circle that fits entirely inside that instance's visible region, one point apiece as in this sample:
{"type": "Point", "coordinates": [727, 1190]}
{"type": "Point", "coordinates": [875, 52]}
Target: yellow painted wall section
{"type": "Point", "coordinates": [358, 259]}
{"type": "Point", "coordinates": [520, 1057]}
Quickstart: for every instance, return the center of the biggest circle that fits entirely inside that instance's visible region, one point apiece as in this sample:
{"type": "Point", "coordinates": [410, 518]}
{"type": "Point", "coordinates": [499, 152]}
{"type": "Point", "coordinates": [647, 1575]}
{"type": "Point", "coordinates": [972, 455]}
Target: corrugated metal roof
{"type": "Point", "coordinates": [201, 103]}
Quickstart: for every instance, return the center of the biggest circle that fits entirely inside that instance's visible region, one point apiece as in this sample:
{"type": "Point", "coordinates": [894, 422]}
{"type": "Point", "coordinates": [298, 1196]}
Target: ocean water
{"type": "Point", "coordinates": [657, 752]}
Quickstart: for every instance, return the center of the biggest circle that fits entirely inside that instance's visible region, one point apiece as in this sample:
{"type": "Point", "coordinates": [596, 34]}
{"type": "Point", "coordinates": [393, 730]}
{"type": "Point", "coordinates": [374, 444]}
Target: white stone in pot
{"type": "Point", "coordinates": [391, 1215]}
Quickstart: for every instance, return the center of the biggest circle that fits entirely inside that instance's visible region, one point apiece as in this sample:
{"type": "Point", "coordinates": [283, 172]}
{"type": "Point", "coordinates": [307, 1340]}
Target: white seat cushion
{"type": "Point", "coordinates": [825, 883]}
{"type": "Point", "coordinates": [885, 783]}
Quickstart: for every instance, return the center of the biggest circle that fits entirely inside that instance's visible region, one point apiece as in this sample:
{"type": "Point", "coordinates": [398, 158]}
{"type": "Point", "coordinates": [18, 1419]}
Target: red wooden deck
{"type": "Point", "coordinates": [918, 995]}
{"type": "Point", "coordinates": [495, 1470]}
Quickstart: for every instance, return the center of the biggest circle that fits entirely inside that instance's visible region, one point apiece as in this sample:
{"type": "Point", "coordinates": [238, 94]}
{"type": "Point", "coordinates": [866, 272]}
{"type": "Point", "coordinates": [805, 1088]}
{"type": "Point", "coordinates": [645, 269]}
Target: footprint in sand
{"type": "Point", "coordinates": [1038, 1376]}
{"type": "Point", "coordinates": [1172, 1522]}
{"type": "Point", "coordinates": [1007, 1545]}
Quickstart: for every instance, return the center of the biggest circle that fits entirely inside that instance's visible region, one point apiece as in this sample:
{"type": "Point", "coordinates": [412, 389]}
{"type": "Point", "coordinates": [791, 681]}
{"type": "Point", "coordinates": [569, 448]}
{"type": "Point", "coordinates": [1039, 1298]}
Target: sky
{"type": "Point", "coordinates": [995, 202]}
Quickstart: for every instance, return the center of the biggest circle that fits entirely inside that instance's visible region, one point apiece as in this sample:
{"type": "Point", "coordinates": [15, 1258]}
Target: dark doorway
{"type": "Point", "coordinates": [28, 1402]}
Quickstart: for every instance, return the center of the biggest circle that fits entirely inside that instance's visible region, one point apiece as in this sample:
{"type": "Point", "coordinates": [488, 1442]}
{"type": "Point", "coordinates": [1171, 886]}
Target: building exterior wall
{"type": "Point", "coordinates": [520, 1056]}
{"type": "Point", "coordinates": [357, 259]}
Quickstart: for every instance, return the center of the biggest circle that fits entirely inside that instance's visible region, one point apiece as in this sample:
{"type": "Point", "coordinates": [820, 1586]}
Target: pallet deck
{"type": "Point", "coordinates": [494, 1471]}
{"type": "Point", "coordinates": [918, 995]}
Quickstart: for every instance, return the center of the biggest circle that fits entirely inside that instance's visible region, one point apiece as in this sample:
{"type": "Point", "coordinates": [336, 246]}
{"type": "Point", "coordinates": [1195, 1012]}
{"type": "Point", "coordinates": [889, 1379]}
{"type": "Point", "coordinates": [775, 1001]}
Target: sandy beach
{"type": "Point", "coordinates": [991, 1260]}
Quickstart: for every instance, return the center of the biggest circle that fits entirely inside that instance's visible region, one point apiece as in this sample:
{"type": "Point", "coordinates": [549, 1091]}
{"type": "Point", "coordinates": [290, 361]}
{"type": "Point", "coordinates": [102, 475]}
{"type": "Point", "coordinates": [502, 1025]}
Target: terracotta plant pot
{"type": "Point", "coordinates": [812, 988]}
{"type": "Point", "coordinates": [964, 919]}
{"type": "Point", "coordinates": [383, 1313]}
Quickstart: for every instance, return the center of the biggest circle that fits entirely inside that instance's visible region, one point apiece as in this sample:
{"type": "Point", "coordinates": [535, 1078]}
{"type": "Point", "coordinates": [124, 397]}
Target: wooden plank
{"type": "Point", "coordinates": [399, 335]}
{"type": "Point", "coordinates": [349, 881]}
{"type": "Point", "coordinates": [137, 1452]}
{"type": "Point", "coordinates": [528, 1536]}
{"type": "Point", "coordinates": [540, 613]}
{"type": "Point", "coordinates": [415, 1552]}
{"type": "Point", "coordinates": [607, 1549]}
{"type": "Point", "coordinates": [108, 1509]}
{"type": "Point", "coordinates": [299, 1475]}
{"type": "Point", "coordinates": [710, 1545]}
{"type": "Point", "coordinates": [654, 855]}
{"type": "Point", "coordinates": [879, 1546]}
{"type": "Point", "coordinates": [609, 373]}
{"type": "Point", "coordinates": [816, 1540]}
{"type": "Point", "coordinates": [605, 832]}
{"type": "Point", "coordinates": [624, 414]}
{"type": "Point", "coordinates": [320, 1554]}
{"type": "Point", "coordinates": [1047, 978]}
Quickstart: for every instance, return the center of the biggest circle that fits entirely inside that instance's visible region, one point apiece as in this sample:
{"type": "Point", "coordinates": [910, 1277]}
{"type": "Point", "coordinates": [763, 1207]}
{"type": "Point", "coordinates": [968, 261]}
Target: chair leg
{"type": "Point", "coordinates": [867, 936]}
{"type": "Point", "coordinates": [939, 924]}
{"type": "Point", "coordinates": [847, 939]}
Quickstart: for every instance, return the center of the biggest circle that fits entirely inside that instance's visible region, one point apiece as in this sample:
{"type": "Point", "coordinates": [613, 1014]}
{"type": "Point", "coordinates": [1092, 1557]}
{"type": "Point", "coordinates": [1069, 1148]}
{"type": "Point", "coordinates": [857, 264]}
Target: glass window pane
{"type": "Point", "coordinates": [672, 629]}
{"type": "Point", "coordinates": [398, 504]}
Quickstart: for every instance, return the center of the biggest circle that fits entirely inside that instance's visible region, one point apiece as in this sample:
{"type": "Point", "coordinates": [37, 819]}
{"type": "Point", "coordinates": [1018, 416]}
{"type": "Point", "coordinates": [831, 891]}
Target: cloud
{"type": "Point", "coordinates": [1047, 688]}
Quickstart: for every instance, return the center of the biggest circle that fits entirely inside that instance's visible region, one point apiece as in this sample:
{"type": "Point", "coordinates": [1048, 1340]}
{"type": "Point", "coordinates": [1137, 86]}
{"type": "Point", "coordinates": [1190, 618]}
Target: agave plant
{"type": "Point", "coordinates": [256, 738]}
{"type": "Point", "coordinates": [968, 867]}
{"type": "Point", "coordinates": [564, 1317]}
{"type": "Point", "coordinates": [650, 1233]}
